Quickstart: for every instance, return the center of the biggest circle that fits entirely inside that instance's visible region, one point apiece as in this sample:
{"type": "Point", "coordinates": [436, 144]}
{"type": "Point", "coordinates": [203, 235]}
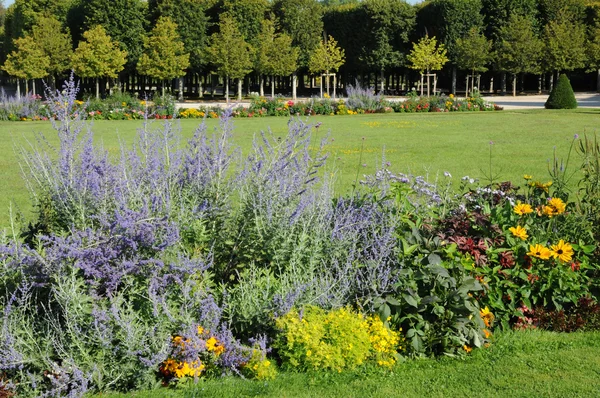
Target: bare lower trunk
{"type": "Point", "coordinates": [503, 83]}
{"type": "Point", "coordinates": [382, 82]}
{"type": "Point", "coordinates": [514, 85]}
{"type": "Point", "coordinates": [272, 86]}
{"type": "Point", "coordinates": [327, 81]}
{"type": "Point", "coordinates": [261, 85]}
{"type": "Point", "coordinates": [598, 81]}
{"type": "Point", "coordinates": [180, 93]}
{"type": "Point", "coordinates": [540, 83]}
{"type": "Point", "coordinates": [33, 86]}
{"type": "Point", "coordinates": [26, 86]}
{"type": "Point", "coordinates": [18, 88]}
{"type": "Point", "coordinates": [227, 89]}
{"type": "Point", "coordinates": [454, 80]}
{"type": "Point", "coordinates": [239, 90]}
{"type": "Point", "coordinates": [295, 83]}
{"type": "Point", "coordinates": [97, 88]}
{"type": "Point", "coordinates": [551, 81]}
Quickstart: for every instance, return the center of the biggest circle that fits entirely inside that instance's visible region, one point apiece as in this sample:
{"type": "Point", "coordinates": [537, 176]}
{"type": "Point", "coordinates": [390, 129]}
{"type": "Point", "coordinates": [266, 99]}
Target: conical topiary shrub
{"type": "Point", "coordinates": [562, 96]}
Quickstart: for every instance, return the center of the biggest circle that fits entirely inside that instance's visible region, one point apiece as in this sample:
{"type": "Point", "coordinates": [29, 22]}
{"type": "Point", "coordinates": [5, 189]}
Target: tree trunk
{"type": "Point", "coordinates": [261, 84]}
{"type": "Point", "coordinates": [514, 84]}
{"type": "Point", "coordinates": [163, 88]}
{"type": "Point", "coordinates": [226, 89]}
{"type": "Point", "coordinates": [272, 86]}
{"type": "Point", "coordinates": [503, 83]}
{"type": "Point", "coordinates": [200, 85]}
{"type": "Point", "coordinates": [239, 90]}
{"type": "Point", "coordinates": [540, 83]}
{"type": "Point", "coordinates": [18, 88]}
{"type": "Point", "coordinates": [327, 81]}
{"type": "Point", "coordinates": [454, 73]}
{"type": "Point", "coordinates": [33, 85]}
{"type": "Point", "coordinates": [551, 81]}
{"type": "Point", "coordinates": [26, 87]}
{"type": "Point", "coordinates": [180, 94]}
{"type": "Point", "coordinates": [97, 88]}
{"type": "Point", "coordinates": [295, 81]}
{"type": "Point", "coordinates": [598, 80]}
{"type": "Point", "coordinates": [212, 85]}
{"type": "Point", "coordinates": [382, 82]}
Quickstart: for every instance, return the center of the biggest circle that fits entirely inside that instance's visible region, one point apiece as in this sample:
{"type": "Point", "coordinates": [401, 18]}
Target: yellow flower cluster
{"type": "Point", "coordinates": [384, 341]}
{"type": "Point", "coordinates": [259, 367]}
{"type": "Point", "coordinates": [180, 369]}
{"type": "Point", "coordinates": [538, 185]}
{"type": "Point", "coordinates": [562, 251]}
{"type": "Point", "coordinates": [555, 207]}
{"type": "Point", "coordinates": [173, 367]}
{"type": "Point", "coordinates": [191, 113]}
{"type": "Point", "coordinates": [335, 340]}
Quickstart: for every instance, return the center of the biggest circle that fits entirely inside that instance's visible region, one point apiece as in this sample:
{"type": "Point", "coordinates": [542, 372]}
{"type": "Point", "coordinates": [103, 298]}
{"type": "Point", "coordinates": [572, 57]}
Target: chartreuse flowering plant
{"type": "Point", "coordinates": [316, 339]}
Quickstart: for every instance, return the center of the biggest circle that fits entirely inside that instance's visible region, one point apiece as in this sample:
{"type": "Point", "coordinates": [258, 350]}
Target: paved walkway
{"type": "Point", "coordinates": [585, 100]}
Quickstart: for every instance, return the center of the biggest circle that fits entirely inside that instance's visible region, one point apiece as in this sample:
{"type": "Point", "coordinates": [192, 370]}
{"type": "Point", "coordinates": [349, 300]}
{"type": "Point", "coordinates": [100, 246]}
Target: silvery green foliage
{"type": "Point", "coordinates": [364, 98]}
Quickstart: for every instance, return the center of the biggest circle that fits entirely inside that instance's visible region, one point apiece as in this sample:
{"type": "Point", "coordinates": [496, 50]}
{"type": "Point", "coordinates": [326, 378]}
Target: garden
{"type": "Point", "coordinates": [175, 264]}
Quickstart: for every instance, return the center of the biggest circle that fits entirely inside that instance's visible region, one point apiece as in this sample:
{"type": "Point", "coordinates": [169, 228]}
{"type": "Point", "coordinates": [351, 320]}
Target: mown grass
{"type": "Point", "coordinates": [518, 364]}
{"type": "Point", "coordinates": [422, 144]}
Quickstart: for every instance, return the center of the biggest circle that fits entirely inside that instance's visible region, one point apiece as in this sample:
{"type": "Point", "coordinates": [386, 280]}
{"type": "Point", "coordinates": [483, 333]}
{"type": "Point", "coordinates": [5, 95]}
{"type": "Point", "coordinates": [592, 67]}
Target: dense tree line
{"type": "Point", "coordinates": [186, 44]}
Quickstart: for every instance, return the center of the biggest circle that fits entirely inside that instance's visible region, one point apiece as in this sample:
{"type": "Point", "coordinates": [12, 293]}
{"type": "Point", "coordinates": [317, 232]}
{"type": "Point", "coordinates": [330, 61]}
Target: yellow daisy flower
{"type": "Point", "coordinates": [539, 251]}
{"type": "Point", "coordinates": [522, 208]}
{"type": "Point", "coordinates": [519, 232]}
{"type": "Point", "coordinates": [563, 251]}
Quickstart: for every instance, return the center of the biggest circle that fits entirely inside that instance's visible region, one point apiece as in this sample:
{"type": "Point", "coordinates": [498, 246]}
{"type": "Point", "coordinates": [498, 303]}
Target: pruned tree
{"type": "Point", "coordinates": [427, 56]}
{"type": "Point", "coordinates": [564, 43]}
{"type": "Point", "coordinates": [327, 57]}
{"type": "Point", "coordinates": [56, 44]}
{"type": "Point", "coordinates": [164, 55]}
{"type": "Point", "coordinates": [98, 56]}
{"type": "Point", "coordinates": [230, 54]}
{"type": "Point", "coordinates": [518, 48]}
{"type": "Point", "coordinates": [473, 52]}
{"type": "Point", "coordinates": [28, 61]}
{"type": "Point", "coordinates": [274, 55]}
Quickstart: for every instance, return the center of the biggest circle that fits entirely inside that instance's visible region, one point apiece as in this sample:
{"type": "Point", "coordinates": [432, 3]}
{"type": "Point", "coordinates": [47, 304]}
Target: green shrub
{"type": "Point", "coordinates": [339, 339]}
{"type": "Point", "coordinates": [562, 96]}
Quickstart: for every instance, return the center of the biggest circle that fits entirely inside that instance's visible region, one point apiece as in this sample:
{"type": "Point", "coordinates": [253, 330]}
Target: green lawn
{"type": "Point", "coordinates": [422, 144]}
{"type": "Point", "coordinates": [518, 364]}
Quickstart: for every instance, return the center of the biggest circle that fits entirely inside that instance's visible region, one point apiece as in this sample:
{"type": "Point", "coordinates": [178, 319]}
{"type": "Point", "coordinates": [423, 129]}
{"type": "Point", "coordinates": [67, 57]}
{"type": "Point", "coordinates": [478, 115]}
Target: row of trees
{"type": "Point", "coordinates": [166, 39]}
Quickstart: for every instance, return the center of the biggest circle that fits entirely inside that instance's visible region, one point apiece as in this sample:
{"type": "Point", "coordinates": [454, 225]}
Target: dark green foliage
{"type": "Point", "coordinates": [562, 96]}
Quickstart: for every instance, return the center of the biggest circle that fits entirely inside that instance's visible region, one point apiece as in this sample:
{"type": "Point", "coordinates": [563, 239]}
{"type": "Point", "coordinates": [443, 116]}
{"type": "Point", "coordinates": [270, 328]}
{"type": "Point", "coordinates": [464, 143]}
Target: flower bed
{"type": "Point", "coordinates": [123, 106]}
{"type": "Point", "coordinates": [179, 262]}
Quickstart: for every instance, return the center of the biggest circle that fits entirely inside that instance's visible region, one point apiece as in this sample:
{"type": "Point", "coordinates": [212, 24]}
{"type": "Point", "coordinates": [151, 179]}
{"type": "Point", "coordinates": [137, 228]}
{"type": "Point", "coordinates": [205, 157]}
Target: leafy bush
{"type": "Point", "coordinates": [583, 316]}
{"type": "Point", "coordinates": [433, 302]}
{"type": "Point", "coordinates": [314, 339]}
{"type": "Point", "coordinates": [562, 95]}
